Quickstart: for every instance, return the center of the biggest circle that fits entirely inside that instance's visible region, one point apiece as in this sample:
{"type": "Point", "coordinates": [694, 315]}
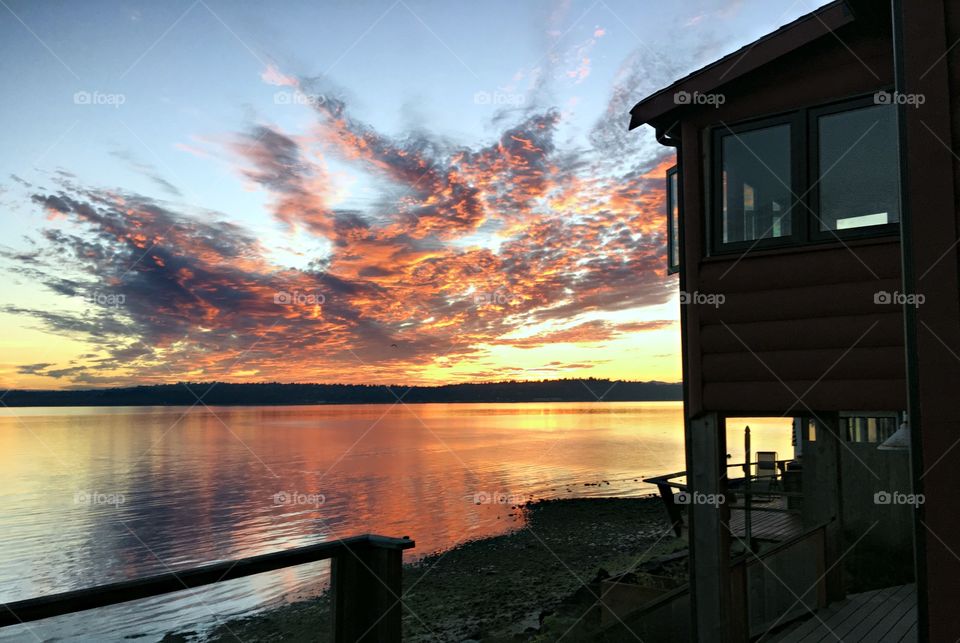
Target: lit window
{"type": "Point", "coordinates": [859, 169]}
{"type": "Point", "coordinates": [869, 428]}
{"type": "Point", "coordinates": [808, 176]}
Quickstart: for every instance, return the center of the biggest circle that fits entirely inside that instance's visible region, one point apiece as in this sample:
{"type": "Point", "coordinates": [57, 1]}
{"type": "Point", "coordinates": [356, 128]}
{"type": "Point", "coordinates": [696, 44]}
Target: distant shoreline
{"type": "Point", "coordinates": [274, 394]}
{"type": "Point", "coordinates": [255, 404]}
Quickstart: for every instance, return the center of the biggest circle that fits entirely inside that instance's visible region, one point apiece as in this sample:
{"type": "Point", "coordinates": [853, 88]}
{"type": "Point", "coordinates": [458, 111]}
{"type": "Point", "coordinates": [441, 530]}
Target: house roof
{"type": "Point", "coordinates": [787, 38]}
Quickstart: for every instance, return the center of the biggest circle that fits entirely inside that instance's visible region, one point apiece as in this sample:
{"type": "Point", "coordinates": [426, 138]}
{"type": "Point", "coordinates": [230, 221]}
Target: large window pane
{"type": "Point", "coordinates": [859, 173]}
{"type": "Point", "coordinates": [757, 184]}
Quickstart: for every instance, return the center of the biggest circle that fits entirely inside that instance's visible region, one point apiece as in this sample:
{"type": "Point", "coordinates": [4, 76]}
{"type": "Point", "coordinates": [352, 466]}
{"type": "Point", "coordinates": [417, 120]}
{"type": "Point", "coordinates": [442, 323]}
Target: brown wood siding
{"type": "Point", "coordinates": [866, 363]}
{"type": "Point", "coordinates": [774, 398]}
{"type": "Point", "coordinates": [802, 324]}
{"type": "Point", "coordinates": [801, 321]}
{"type": "Point", "coordinates": [810, 302]}
{"type": "Point", "coordinates": [804, 334]}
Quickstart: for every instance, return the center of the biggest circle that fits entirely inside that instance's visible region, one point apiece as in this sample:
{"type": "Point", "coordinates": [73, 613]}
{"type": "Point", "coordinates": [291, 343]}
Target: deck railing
{"type": "Point", "coordinates": [768, 590]}
{"type": "Point", "coordinates": [739, 487]}
{"type": "Point", "coordinates": [784, 582]}
{"type": "Point", "coordinates": [365, 579]}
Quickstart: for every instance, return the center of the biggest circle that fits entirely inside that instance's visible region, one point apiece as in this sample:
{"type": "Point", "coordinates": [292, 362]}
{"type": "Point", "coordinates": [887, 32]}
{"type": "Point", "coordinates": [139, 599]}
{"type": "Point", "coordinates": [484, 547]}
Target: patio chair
{"type": "Point", "coordinates": [767, 476]}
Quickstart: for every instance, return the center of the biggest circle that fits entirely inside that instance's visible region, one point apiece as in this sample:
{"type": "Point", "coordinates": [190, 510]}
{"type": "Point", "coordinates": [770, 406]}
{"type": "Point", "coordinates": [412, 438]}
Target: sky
{"type": "Point", "coordinates": [403, 191]}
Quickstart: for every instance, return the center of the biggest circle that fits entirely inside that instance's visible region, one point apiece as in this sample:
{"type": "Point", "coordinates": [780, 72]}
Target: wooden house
{"type": "Point", "coordinates": [813, 221]}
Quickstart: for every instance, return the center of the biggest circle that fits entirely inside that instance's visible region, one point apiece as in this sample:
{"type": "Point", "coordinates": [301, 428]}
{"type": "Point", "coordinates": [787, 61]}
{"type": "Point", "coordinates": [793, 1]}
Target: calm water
{"type": "Point", "coordinates": [103, 494]}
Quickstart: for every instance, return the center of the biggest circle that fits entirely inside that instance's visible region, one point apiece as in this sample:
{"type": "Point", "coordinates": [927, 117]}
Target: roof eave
{"type": "Point", "coordinates": [790, 37]}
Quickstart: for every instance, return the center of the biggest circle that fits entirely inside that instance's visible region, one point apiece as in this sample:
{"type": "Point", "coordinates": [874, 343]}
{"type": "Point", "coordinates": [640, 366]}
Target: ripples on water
{"type": "Point", "coordinates": [96, 495]}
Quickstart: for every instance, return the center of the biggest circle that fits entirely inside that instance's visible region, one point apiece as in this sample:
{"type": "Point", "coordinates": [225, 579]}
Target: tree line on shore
{"type": "Point", "coordinates": [267, 393]}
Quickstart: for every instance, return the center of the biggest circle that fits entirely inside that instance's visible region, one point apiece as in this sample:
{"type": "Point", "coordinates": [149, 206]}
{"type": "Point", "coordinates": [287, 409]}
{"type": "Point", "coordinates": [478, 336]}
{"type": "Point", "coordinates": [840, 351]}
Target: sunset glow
{"type": "Point", "coordinates": [310, 225]}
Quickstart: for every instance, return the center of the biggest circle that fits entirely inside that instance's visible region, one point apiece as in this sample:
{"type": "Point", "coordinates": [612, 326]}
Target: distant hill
{"type": "Point", "coordinates": [220, 393]}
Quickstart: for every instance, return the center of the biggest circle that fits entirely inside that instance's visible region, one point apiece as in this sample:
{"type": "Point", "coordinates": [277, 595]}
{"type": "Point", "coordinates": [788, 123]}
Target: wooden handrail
{"type": "Point", "coordinates": [365, 580]}
{"type": "Point", "coordinates": [666, 480]}
{"type": "Point", "coordinates": [666, 484]}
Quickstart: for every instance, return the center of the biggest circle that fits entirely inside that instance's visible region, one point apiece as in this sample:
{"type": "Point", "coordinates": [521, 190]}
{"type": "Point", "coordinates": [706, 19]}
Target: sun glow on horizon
{"type": "Point", "coordinates": [282, 221]}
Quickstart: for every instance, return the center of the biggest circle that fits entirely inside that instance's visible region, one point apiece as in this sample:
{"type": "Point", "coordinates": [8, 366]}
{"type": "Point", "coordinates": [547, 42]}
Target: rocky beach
{"type": "Point", "coordinates": [537, 583]}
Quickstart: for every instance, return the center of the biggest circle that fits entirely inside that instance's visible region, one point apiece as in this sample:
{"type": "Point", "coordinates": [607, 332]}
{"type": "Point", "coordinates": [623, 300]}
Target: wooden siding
{"type": "Point", "coordinates": [799, 322]}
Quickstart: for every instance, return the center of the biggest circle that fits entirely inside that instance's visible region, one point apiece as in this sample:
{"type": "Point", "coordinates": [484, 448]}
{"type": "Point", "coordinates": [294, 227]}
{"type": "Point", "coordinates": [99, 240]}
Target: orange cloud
{"type": "Point", "coordinates": [465, 248]}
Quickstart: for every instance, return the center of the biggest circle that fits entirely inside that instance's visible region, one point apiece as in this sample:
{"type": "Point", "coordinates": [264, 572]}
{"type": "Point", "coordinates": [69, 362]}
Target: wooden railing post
{"type": "Point", "coordinates": [709, 529]}
{"type": "Point", "coordinates": [673, 509]}
{"type": "Point", "coordinates": [367, 587]}
{"type": "Point", "coordinates": [366, 584]}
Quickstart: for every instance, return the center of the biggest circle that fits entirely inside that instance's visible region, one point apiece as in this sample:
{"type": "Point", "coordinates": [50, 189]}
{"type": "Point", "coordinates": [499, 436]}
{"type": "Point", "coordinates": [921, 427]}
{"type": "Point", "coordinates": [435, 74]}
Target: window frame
{"type": "Point", "coordinates": [716, 198]}
{"type": "Point", "coordinates": [804, 161]}
{"type": "Point", "coordinates": [813, 125]}
{"type": "Point", "coordinates": [671, 175]}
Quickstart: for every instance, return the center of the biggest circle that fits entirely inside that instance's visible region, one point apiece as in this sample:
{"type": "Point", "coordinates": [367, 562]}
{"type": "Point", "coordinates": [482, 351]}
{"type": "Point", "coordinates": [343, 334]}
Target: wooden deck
{"type": "Point", "coordinates": [881, 616]}
{"type": "Point", "coordinates": [767, 525]}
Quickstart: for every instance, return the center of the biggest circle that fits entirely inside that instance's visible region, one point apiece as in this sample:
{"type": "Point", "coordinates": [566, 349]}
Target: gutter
{"type": "Point", "coordinates": [670, 137]}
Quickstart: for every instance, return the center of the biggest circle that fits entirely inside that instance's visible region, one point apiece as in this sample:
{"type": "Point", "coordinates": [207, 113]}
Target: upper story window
{"type": "Point", "coordinates": [757, 184]}
{"type": "Point", "coordinates": [673, 220]}
{"type": "Point", "coordinates": [812, 175]}
{"type": "Point", "coordinates": [857, 166]}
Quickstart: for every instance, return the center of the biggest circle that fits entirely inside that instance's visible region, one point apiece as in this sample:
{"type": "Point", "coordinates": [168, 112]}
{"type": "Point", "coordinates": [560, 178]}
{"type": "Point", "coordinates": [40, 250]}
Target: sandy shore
{"type": "Point", "coordinates": [525, 585]}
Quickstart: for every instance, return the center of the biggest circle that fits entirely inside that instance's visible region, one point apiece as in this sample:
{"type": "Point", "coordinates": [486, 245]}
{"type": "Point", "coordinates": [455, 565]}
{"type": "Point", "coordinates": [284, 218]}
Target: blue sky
{"type": "Point", "coordinates": [160, 102]}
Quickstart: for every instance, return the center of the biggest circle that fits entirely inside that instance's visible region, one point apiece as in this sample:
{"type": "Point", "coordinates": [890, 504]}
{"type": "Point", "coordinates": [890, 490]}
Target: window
{"type": "Point", "coordinates": [858, 168]}
{"type": "Point", "coordinates": [812, 175]}
{"type": "Point", "coordinates": [872, 428]}
{"type": "Point", "coordinates": [756, 183]}
{"type": "Point", "coordinates": [673, 221]}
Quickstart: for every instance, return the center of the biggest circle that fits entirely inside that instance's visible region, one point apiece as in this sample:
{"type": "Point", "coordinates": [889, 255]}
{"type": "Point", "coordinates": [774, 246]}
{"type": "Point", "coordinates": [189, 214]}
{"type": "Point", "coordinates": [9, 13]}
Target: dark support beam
{"type": "Point", "coordinates": [709, 532]}
{"type": "Point", "coordinates": [927, 65]}
{"type": "Point", "coordinates": [822, 499]}
{"type": "Point", "coordinates": [367, 592]}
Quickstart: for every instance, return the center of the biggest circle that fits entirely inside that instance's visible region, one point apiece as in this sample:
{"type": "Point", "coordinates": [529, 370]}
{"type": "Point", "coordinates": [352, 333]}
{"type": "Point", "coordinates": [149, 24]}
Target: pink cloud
{"type": "Point", "coordinates": [273, 76]}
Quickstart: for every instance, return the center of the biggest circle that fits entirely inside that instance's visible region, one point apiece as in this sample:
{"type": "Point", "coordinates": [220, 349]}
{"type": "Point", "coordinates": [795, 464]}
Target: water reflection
{"type": "Point", "coordinates": [195, 486]}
